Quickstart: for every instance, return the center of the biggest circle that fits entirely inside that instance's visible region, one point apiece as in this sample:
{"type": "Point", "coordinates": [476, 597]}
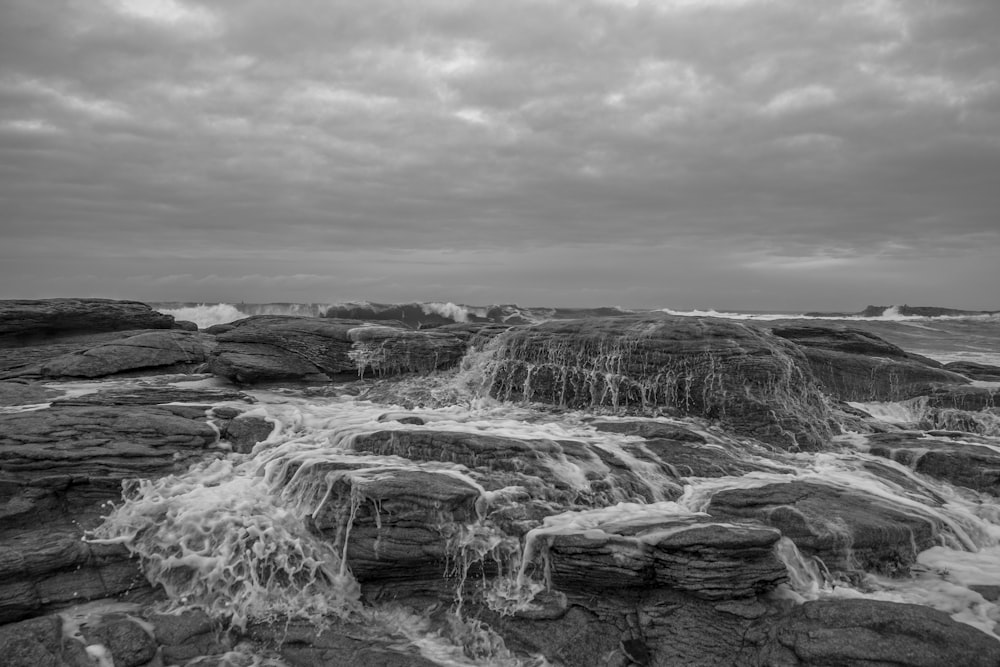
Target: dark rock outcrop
{"type": "Point", "coordinates": [57, 466]}
{"type": "Point", "coordinates": [875, 633]}
{"type": "Point", "coordinates": [270, 348]}
{"type": "Point", "coordinates": [161, 351]}
{"type": "Point", "coordinates": [24, 321]}
{"type": "Point", "coordinates": [963, 464]}
{"type": "Point", "coordinates": [404, 521]}
{"type": "Point", "coordinates": [855, 365]}
{"type": "Point", "coordinates": [970, 399]}
{"type": "Point", "coordinates": [187, 636]}
{"type": "Point", "coordinates": [711, 561]}
{"type": "Point", "coordinates": [648, 429]}
{"type": "Point", "coordinates": [25, 393]}
{"type": "Point", "coordinates": [156, 395]}
{"type": "Point", "coordinates": [50, 567]}
{"type": "Point", "coordinates": [846, 528]}
{"type": "Point", "coordinates": [79, 442]}
{"type": "Point", "coordinates": [123, 640]}
{"type": "Point", "coordinates": [353, 643]}
{"type": "Point", "coordinates": [539, 467]}
{"type": "Point", "coordinates": [974, 371]}
{"type": "Point", "coordinates": [245, 432]}
{"type": "Point", "coordinates": [754, 383]}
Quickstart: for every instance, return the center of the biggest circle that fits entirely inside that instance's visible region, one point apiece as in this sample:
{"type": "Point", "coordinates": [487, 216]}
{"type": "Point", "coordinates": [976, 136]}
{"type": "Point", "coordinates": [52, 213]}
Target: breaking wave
{"type": "Point", "coordinates": [206, 315]}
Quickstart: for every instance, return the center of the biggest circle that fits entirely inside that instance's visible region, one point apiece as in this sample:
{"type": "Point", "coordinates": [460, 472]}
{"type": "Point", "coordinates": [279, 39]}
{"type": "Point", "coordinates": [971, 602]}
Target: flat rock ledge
{"type": "Point", "coordinates": [24, 321]}
{"type": "Point", "coordinates": [269, 348]}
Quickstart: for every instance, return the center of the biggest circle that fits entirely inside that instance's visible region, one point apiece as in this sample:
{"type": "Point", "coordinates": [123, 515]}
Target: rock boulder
{"type": "Point", "coordinates": [855, 365]}
{"type": "Point", "coordinates": [754, 383]}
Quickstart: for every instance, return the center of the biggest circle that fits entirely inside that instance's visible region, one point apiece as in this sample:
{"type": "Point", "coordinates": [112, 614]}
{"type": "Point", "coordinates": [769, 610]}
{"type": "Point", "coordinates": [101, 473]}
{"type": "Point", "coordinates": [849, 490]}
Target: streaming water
{"type": "Point", "coordinates": [288, 530]}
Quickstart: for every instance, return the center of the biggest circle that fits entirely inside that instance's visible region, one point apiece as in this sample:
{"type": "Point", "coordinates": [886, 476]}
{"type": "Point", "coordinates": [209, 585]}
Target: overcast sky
{"type": "Point", "coordinates": [730, 154]}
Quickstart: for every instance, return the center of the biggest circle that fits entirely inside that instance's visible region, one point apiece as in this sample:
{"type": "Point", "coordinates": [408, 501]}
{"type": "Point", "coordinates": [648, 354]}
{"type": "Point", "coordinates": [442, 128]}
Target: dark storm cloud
{"type": "Point", "coordinates": [621, 147]}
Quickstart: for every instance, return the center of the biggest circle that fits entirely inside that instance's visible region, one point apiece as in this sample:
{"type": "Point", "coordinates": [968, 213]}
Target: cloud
{"type": "Point", "coordinates": [188, 136]}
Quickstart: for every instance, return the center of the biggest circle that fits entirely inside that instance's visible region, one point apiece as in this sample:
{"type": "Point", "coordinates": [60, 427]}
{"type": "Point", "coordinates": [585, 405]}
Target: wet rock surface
{"type": "Point", "coordinates": [589, 531]}
{"type": "Point", "coordinates": [961, 462]}
{"type": "Point", "coordinates": [271, 348]}
{"type": "Point", "coordinates": [869, 632]}
{"type": "Point", "coordinates": [23, 321]}
{"type": "Point", "coordinates": [708, 560]}
{"type": "Point", "coordinates": [160, 350]}
{"type": "Point", "coordinates": [754, 383]}
{"type": "Point", "coordinates": [52, 568]}
{"type": "Point", "coordinates": [974, 371]}
{"type": "Point", "coordinates": [846, 528]}
{"type": "Point", "coordinates": [80, 442]}
{"type": "Point", "coordinates": [855, 365]}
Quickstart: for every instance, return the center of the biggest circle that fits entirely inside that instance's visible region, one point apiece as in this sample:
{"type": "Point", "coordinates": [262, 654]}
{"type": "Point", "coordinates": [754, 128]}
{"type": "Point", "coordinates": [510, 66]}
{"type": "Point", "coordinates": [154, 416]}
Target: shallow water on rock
{"type": "Point", "coordinates": [297, 527]}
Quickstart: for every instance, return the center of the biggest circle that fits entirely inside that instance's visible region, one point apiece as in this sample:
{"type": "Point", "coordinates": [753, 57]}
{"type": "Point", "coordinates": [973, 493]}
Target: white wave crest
{"type": "Point", "coordinates": [206, 315]}
{"type": "Point", "coordinates": [450, 310]}
{"type": "Point", "coordinates": [890, 314]}
{"type": "Point", "coordinates": [730, 316]}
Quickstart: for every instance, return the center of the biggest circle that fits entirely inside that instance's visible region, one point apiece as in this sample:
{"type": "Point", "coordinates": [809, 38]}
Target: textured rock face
{"type": "Point", "coordinates": [709, 560]}
{"type": "Point", "coordinates": [344, 643]}
{"type": "Point", "coordinates": [42, 569]}
{"type": "Point", "coordinates": [536, 466]}
{"type": "Point", "coordinates": [855, 365]}
{"type": "Point", "coordinates": [24, 361]}
{"type": "Point", "coordinates": [971, 399]}
{"type": "Point", "coordinates": [82, 442]}
{"type": "Point", "coordinates": [269, 348]}
{"type": "Point", "coordinates": [975, 371]}
{"type": "Point", "coordinates": [402, 522]}
{"type": "Point", "coordinates": [573, 536]}
{"type": "Point", "coordinates": [154, 351]}
{"type": "Point", "coordinates": [847, 529]}
{"type": "Point", "coordinates": [23, 320]}
{"type": "Point", "coordinates": [663, 628]}
{"type": "Point", "coordinates": [57, 465]}
{"type": "Point", "coordinates": [752, 382]}
{"type": "Point", "coordinates": [869, 632]}
{"type": "Point", "coordinates": [391, 351]}
{"type": "Point", "coordinates": [964, 464]}
{"type": "Point", "coordinates": [125, 642]}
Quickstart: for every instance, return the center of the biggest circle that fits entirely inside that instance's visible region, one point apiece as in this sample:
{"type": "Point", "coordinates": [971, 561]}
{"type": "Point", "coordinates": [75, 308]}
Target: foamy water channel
{"type": "Point", "coordinates": [237, 535]}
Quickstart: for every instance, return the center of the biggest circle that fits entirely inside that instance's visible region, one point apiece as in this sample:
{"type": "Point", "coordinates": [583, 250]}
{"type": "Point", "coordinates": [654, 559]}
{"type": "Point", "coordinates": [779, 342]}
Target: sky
{"type": "Point", "coordinates": [727, 154]}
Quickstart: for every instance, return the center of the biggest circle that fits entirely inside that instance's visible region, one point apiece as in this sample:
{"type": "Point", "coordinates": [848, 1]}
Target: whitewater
{"type": "Point", "coordinates": [445, 484]}
{"type": "Point", "coordinates": [273, 533]}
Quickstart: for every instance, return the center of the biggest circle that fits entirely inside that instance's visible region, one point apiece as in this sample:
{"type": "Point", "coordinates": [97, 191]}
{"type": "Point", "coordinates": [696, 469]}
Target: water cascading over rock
{"type": "Point", "coordinates": [753, 382]}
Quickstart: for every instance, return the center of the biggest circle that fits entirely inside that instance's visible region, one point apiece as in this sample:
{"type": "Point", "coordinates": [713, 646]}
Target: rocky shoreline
{"type": "Point", "coordinates": [688, 398]}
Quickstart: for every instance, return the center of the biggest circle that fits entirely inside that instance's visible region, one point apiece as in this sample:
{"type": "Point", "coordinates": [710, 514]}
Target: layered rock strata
{"type": "Point", "coordinates": [754, 383]}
